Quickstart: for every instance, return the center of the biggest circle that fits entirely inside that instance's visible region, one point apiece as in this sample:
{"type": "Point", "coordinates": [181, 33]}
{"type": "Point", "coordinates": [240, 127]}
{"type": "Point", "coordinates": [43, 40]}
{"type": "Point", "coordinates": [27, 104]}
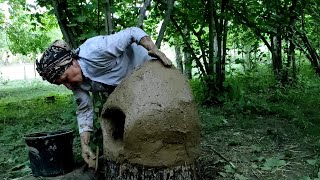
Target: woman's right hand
{"type": "Point", "coordinates": [87, 154]}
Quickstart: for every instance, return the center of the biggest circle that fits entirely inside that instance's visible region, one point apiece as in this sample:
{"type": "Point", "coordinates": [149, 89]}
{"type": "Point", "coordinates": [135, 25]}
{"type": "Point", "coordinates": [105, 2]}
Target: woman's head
{"type": "Point", "coordinates": [58, 66]}
{"type": "Point", "coordinates": [71, 77]}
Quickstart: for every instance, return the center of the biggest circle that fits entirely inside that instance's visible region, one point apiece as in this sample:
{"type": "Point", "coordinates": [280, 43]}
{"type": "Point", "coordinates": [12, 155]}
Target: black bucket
{"type": "Point", "coordinates": [50, 153]}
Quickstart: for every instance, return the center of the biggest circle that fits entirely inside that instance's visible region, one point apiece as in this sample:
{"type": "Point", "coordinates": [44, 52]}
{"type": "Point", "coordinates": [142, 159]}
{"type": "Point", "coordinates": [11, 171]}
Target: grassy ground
{"type": "Point", "coordinates": [260, 147]}
{"type": "Point", "coordinates": [266, 131]}
{"type": "Point", "coordinates": [25, 108]}
{"type": "Point", "coordinates": [265, 134]}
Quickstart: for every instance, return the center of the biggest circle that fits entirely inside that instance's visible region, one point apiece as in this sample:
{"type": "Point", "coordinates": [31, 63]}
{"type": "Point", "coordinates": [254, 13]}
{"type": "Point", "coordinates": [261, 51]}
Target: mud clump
{"type": "Point", "coordinates": [151, 119]}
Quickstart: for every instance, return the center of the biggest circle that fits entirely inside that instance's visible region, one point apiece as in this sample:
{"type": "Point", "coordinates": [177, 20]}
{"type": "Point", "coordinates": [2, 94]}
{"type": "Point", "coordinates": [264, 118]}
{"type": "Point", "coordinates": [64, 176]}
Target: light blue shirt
{"type": "Point", "coordinates": [106, 60]}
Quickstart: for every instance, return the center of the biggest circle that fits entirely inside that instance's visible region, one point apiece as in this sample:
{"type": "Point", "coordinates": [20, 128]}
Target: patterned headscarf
{"type": "Point", "coordinates": [54, 61]}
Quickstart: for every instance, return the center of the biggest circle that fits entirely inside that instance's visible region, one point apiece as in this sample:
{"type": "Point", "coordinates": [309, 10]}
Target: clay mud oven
{"type": "Point", "coordinates": [150, 126]}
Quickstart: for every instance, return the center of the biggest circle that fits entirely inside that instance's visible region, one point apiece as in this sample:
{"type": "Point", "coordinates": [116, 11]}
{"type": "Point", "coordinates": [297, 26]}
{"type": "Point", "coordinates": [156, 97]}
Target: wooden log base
{"type": "Point", "coordinates": [126, 171]}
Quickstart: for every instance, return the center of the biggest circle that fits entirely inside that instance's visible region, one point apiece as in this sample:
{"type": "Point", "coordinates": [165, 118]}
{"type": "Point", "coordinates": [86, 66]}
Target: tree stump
{"type": "Point", "coordinates": [150, 126]}
{"type": "Point", "coordinates": [117, 171]}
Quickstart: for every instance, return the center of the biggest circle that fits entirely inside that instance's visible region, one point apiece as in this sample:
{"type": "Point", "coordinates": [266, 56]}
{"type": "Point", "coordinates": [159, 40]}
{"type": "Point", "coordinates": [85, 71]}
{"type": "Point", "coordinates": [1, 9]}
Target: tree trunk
{"type": "Point", "coordinates": [187, 65]}
{"type": "Point", "coordinates": [278, 51]}
{"type": "Point", "coordinates": [224, 53]}
{"type": "Point", "coordinates": [98, 13]}
{"type": "Point", "coordinates": [142, 13]}
{"type": "Point", "coordinates": [285, 71]}
{"type": "Point", "coordinates": [211, 37]}
{"type": "Point", "coordinates": [247, 64]}
{"type": "Point", "coordinates": [126, 171]}
{"type": "Point", "coordinates": [215, 50]}
{"type": "Point", "coordinates": [165, 22]}
{"type": "Point", "coordinates": [108, 25]}
{"type": "Point", "coordinates": [179, 58]}
{"type": "Point", "coordinates": [276, 55]}
{"type": "Point", "coordinates": [293, 60]}
{"type": "Point", "coordinates": [312, 54]}
{"type": "Point", "coordinates": [218, 59]}
{"type": "Point", "coordinates": [66, 31]}
{"type": "Point", "coordinates": [221, 30]}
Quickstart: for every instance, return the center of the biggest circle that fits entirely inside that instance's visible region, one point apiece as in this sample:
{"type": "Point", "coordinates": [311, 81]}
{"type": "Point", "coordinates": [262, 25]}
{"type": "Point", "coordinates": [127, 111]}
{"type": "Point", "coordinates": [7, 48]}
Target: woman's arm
{"type": "Point", "coordinates": [114, 45]}
{"type": "Point", "coordinates": [85, 123]}
{"type": "Point", "coordinates": [147, 43]}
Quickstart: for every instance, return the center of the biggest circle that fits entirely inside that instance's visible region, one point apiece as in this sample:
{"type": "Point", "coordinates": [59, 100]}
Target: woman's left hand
{"type": "Point", "coordinates": [158, 54]}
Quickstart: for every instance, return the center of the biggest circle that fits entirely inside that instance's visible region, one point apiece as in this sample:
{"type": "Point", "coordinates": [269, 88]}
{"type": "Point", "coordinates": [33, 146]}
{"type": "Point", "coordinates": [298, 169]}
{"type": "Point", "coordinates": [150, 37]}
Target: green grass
{"type": "Point", "coordinates": [282, 122]}
{"type": "Point", "coordinates": [24, 109]}
{"type": "Point", "coordinates": [25, 90]}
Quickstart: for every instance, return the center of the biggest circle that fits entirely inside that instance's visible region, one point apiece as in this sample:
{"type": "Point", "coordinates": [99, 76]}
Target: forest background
{"type": "Point", "coordinates": [253, 67]}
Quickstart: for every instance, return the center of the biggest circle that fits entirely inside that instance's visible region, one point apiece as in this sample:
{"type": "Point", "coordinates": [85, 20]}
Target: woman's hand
{"type": "Point", "coordinates": [153, 50]}
{"type": "Point", "coordinates": [158, 54]}
{"type": "Point", "coordinates": [87, 154]}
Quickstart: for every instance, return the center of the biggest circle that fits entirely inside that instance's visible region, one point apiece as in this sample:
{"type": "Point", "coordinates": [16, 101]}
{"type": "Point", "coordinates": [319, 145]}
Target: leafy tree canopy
{"type": "Point", "coordinates": [29, 28]}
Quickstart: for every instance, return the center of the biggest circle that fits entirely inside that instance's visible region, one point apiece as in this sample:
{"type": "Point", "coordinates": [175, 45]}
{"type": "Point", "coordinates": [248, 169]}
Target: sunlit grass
{"type": "Point", "coordinates": [24, 108]}
{"type": "Point", "coordinates": [23, 90]}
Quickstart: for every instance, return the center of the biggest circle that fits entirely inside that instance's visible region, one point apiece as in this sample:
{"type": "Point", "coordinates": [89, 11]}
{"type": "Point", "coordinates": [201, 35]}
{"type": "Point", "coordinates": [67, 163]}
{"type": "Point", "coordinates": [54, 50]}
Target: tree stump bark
{"type": "Point", "coordinates": [124, 171]}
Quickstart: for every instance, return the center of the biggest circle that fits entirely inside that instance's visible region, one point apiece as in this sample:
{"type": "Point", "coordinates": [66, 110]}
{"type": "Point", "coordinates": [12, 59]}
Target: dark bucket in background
{"type": "Point", "coordinates": [50, 153]}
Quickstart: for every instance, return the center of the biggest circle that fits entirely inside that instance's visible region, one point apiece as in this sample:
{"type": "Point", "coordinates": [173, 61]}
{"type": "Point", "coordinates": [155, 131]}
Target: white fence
{"type": "Point", "coordinates": [19, 72]}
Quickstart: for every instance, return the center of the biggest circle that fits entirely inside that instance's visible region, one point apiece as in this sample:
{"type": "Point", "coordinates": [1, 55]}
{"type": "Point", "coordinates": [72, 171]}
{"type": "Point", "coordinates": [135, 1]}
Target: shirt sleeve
{"type": "Point", "coordinates": [117, 43]}
{"type": "Point", "coordinates": [84, 110]}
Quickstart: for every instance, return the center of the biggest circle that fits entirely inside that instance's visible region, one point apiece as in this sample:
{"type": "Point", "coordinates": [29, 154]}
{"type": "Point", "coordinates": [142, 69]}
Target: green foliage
{"type": "Point", "coordinates": [272, 163]}
{"type": "Point", "coordinates": [189, 20]}
{"type": "Point", "coordinates": [259, 94]}
{"type": "Point", "coordinates": [86, 19]}
{"type": "Point", "coordinates": [29, 33]}
{"type": "Point", "coordinates": [251, 22]}
{"type": "Point", "coordinates": [126, 13]}
{"type": "Point", "coordinates": [252, 97]}
{"type": "Point", "coordinates": [198, 90]}
{"type": "Point", "coordinates": [98, 101]}
{"type": "Point", "coordinates": [3, 38]}
{"type": "Point", "coordinates": [2, 18]}
{"type": "Point", "coordinates": [311, 19]}
{"type": "Point", "coordinates": [316, 164]}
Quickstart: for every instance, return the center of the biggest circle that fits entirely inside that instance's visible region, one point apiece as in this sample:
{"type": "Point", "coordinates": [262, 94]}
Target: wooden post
{"type": "Point", "coordinates": [24, 72]}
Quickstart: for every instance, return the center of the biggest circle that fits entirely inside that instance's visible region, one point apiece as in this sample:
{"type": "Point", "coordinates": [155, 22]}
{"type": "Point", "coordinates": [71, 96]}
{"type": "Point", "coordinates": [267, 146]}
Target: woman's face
{"type": "Point", "coordinates": [72, 77]}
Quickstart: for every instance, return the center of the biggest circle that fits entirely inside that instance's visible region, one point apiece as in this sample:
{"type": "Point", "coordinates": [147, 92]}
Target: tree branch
{"type": "Point", "coordinates": [142, 13]}
{"type": "Point", "coordinates": [188, 46]}
{"type": "Point", "coordinates": [257, 31]}
{"type": "Point", "coordinates": [198, 34]}
{"type": "Point", "coordinates": [165, 22]}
